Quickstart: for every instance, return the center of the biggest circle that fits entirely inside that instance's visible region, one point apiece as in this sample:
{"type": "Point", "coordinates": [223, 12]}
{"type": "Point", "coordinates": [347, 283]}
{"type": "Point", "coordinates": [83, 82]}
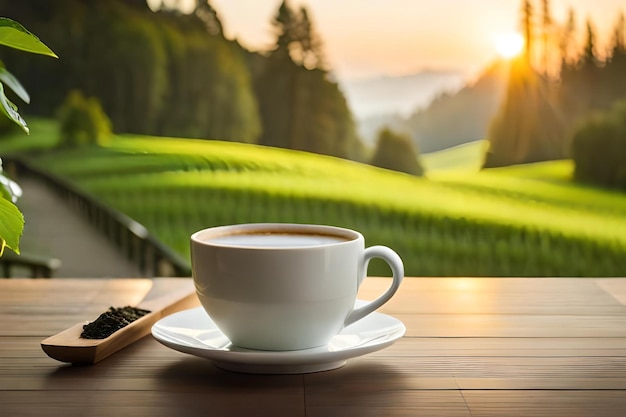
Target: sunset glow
{"type": "Point", "coordinates": [366, 38]}
{"type": "Point", "coordinates": [509, 45]}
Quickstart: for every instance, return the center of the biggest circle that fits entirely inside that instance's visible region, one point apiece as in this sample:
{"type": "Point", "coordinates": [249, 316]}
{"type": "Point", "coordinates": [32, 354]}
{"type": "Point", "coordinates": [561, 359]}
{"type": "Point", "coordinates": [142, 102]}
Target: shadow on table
{"type": "Point", "coordinates": [359, 382]}
{"type": "Point", "coordinates": [191, 372]}
{"type": "Point", "coordinates": [182, 382]}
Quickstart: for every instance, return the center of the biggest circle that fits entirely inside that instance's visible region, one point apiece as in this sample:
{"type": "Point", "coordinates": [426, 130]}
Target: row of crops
{"type": "Point", "coordinates": [487, 224]}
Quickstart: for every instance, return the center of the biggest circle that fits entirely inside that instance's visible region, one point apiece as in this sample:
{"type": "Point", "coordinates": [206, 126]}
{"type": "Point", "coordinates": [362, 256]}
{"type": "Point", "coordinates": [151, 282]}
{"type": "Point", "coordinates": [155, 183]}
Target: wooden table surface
{"type": "Point", "coordinates": [474, 347]}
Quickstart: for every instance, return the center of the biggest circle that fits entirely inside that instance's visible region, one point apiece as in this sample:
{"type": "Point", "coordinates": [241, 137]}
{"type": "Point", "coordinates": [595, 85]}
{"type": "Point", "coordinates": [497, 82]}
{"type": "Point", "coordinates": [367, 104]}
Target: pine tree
{"type": "Point", "coordinates": [285, 25]}
{"type": "Point", "coordinates": [300, 106]}
{"type": "Point", "coordinates": [527, 26]}
{"type": "Point", "coordinates": [568, 39]}
{"type": "Point", "coordinates": [310, 44]}
{"type": "Point", "coordinates": [297, 37]}
{"type": "Point", "coordinates": [589, 67]}
{"type": "Point", "coordinates": [528, 126]}
{"type": "Point", "coordinates": [619, 36]}
{"type": "Point", "coordinates": [278, 86]}
{"type": "Point", "coordinates": [589, 58]}
{"type": "Point", "coordinates": [546, 34]}
{"type": "Point", "coordinates": [614, 77]}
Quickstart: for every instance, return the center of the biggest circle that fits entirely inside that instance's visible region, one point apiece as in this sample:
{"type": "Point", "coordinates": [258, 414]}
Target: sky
{"type": "Point", "coordinates": [369, 38]}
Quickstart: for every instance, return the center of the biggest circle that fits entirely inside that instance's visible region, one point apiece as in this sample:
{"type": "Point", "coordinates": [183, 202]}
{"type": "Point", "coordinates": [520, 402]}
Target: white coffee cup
{"type": "Point", "coordinates": [284, 286]}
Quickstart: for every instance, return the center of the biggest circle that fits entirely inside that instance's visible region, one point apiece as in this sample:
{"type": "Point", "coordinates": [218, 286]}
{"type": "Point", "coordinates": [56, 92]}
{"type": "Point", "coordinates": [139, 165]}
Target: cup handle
{"type": "Point", "coordinates": [397, 268]}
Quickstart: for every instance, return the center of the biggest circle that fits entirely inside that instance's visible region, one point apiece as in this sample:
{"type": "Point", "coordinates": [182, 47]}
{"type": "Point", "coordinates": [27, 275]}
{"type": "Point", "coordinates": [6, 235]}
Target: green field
{"type": "Point", "coordinates": [467, 158]}
{"type": "Point", "coordinates": [519, 221]}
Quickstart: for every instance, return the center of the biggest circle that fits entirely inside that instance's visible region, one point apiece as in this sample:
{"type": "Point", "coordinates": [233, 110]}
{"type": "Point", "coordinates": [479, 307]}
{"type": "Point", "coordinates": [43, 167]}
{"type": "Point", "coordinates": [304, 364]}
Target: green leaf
{"type": "Point", "coordinates": [16, 36]}
{"type": "Point", "coordinates": [10, 81]}
{"type": "Point", "coordinates": [10, 110]}
{"type": "Point", "coordinates": [5, 191]}
{"type": "Point", "coordinates": [11, 225]}
{"type": "Point", "coordinates": [9, 189]}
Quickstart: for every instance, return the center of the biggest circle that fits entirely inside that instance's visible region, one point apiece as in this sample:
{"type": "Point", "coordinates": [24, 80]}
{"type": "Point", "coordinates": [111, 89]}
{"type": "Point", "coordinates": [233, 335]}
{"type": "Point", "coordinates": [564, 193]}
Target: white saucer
{"type": "Point", "coordinates": [193, 332]}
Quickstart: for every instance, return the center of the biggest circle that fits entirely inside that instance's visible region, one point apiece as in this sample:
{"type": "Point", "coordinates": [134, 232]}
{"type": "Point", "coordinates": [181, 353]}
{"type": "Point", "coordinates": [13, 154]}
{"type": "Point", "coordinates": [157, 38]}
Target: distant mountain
{"type": "Point", "coordinates": [451, 118]}
{"type": "Point", "coordinates": [454, 119]}
{"type": "Point", "coordinates": [388, 95]}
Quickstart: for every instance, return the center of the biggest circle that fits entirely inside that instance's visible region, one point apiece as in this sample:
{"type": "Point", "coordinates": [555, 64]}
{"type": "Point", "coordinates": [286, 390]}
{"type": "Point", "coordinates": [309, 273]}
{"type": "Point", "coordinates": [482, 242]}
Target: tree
{"type": "Point", "coordinates": [567, 40]}
{"type": "Point", "coordinates": [527, 26]}
{"type": "Point", "coordinates": [613, 75]}
{"type": "Point", "coordinates": [589, 57]}
{"type": "Point", "coordinates": [538, 118]}
{"type": "Point", "coordinates": [285, 25]}
{"type": "Point", "coordinates": [589, 83]}
{"type": "Point", "coordinates": [83, 122]}
{"type": "Point", "coordinates": [301, 107]}
{"type": "Point", "coordinates": [309, 45]}
{"type": "Point", "coordinates": [619, 36]}
{"type": "Point", "coordinates": [396, 151]}
{"type": "Point", "coordinates": [158, 72]}
{"type": "Point", "coordinates": [599, 148]}
{"type": "Point", "coordinates": [128, 78]}
{"type": "Point", "coordinates": [578, 71]}
{"type": "Point", "coordinates": [546, 35]}
{"type": "Point", "coordinates": [528, 126]}
{"type": "Point", "coordinates": [588, 71]}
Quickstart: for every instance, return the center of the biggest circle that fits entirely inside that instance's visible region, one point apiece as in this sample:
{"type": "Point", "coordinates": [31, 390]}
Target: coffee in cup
{"type": "Point", "coordinates": [276, 286]}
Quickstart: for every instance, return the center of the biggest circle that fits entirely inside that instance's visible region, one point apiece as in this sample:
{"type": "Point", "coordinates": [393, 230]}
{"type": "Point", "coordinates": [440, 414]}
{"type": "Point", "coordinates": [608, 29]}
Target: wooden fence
{"type": "Point", "coordinates": [134, 241]}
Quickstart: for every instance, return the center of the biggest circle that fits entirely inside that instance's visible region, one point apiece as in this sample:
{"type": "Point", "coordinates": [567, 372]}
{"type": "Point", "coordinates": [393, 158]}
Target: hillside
{"type": "Point", "coordinates": [451, 118]}
{"type": "Point", "coordinates": [467, 158]}
{"type": "Point", "coordinates": [465, 116]}
{"type": "Point", "coordinates": [520, 221]}
{"type": "Point", "coordinates": [167, 73]}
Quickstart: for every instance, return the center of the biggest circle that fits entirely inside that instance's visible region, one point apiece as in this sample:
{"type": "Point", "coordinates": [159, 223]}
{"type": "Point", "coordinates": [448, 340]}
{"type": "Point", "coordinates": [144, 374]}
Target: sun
{"type": "Point", "coordinates": [509, 45]}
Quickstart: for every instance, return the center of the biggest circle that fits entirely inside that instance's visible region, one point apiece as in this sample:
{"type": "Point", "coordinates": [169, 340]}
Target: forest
{"type": "Point", "coordinates": [559, 99]}
{"type": "Point", "coordinates": [166, 73]}
{"type": "Point", "coordinates": [150, 81]}
{"type": "Point", "coordinates": [564, 100]}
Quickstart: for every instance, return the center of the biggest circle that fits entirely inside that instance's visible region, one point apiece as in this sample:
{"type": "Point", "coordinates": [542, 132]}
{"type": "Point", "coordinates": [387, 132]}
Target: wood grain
{"type": "Point", "coordinates": [474, 347]}
{"type": "Point", "coordinates": [68, 346]}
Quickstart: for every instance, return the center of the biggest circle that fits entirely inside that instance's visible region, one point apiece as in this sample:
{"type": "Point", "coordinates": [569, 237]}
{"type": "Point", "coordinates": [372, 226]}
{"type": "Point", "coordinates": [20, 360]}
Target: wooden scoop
{"type": "Point", "coordinates": [68, 346]}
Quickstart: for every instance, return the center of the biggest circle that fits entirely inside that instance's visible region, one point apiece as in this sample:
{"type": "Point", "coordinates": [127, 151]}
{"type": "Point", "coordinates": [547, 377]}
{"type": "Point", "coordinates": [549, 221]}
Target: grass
{"type": "Point", "coordinates": [467, 158]}
{"type": "Point", "coordinates": [43, 137]}
{"type": "Point", "coordinates": [519, 221]}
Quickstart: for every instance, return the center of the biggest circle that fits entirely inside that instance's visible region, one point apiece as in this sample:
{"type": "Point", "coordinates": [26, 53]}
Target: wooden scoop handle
{"type": "Point", "coordinates": [68, 346]}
